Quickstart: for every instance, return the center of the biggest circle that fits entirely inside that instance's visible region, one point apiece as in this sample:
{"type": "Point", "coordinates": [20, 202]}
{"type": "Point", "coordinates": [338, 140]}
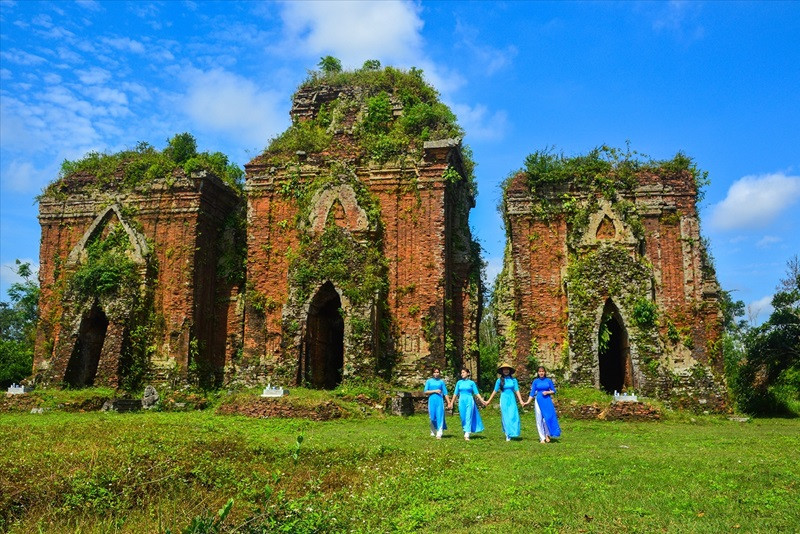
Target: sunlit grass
{"type": "Point", "coordinates": [100, 472]}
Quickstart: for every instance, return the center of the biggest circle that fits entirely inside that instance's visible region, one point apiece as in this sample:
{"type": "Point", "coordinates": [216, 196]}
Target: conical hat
{"type": "Point", "coordinates": [505, 364]}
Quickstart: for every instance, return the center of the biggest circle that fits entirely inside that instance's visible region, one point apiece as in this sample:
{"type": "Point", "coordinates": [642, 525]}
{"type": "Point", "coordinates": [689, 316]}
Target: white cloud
{"type": "Point", "coordinates": [225, 102]}
{"type": "Point", "coordinates": [56, 32]}
{"type": "Point", "coordinates": [23, 177]}
{"type": "Point", "coordinates": [492, 59]}
{"type": "Point", "coordinates": [679, 17]}
{"type": "Point", "coordinates": [117, 99]}
{"type": "Point", "coordinates": [480, 123]}
{"type": "Point", "coordinates": [493, 267]}
{"type": "Point", "coordinates": [137, 90]}
{"type": "Point", "coordinates": [65, 54]}
{"type": "Point", "coordinates": [355, 31]}
{"type": "Point", "coordinates": [125, 44]}
{"type": "Point", "coordinates": [756, 201]}
{"type": "Point", "coordinates": [91, 5]}
{"type": "Point", "coordinates": [22, 57]}
{"type": "Point", "coordinates": [759, 310]}
{"type": "Point", "coordinates": [94, 75]}
{"type": "Point", "coordinates": [55, 119]}
{"type": "Point", "coordinates": [768, 240]}
{"type": "Point", "coordinates": [43, 20]}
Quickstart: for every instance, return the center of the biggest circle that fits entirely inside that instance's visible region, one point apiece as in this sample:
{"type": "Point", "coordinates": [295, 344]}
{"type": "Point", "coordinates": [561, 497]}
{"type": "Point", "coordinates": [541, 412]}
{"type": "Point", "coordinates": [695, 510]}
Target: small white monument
{"type": "Point", "coordinates": [16, 389]}
{"type": "Point", "coordinates": [625, 397]}
{"type": "Point", "coordinates": [272, 391]}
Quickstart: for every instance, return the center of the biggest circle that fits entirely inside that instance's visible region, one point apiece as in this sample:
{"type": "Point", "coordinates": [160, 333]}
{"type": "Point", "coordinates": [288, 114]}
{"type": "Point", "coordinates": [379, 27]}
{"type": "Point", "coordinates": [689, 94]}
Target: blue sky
{"type": "Point", "coordinates": [719, 81]}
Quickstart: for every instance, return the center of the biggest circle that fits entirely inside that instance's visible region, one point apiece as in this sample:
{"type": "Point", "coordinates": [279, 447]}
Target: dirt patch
{"type": "Point", "coordinates": [19, 403]}
{"type": "Point", "coordinates": [618, 411]}
{"type": "Point", "coordinates": [281, 408]}
{"type": "Point", "coordinates": [25, 403]}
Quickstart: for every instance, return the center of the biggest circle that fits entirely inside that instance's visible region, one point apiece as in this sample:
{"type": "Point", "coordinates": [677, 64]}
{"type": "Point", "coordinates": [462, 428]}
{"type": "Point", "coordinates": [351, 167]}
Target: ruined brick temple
{"type": "Point", "coordinates": [606, 280]}
{"type": "Point", "coordinates": [348, 253]}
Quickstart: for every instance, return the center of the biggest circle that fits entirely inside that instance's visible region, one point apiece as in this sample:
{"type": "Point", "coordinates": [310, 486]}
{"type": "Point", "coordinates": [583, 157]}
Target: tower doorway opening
{"type": "Point", "coordinates": [324, 340]}
{"type": "Point", "coordinates": [614, 358]}
{"type": "Point", "coordinates": [82, 366]}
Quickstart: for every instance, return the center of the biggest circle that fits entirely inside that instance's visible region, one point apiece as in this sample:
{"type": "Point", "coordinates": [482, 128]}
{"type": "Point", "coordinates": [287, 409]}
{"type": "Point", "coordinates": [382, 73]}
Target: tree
{"type": "Point", "coordinates": [768, 380]}
{"type": "Point", "coordinates": [371, 64]}
{"type": "Point", "coordinates": [329, 65]}
{"type": "Point", "coordinates": [181, 148]}
{"type": "Point", "coordinates": [18, 319]}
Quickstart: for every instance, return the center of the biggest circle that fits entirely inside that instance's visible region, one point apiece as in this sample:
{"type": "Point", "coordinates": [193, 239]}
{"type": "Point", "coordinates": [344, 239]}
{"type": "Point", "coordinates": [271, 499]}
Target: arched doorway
{"type": "Point", "coordinates": [82, 366]}
{"type": "Point", "coordinates": [324, 340]}
{"type": "Point", "coordinates": [614, 358]}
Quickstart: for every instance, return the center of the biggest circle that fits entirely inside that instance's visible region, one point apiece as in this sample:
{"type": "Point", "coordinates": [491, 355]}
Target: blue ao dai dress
{"type": "Point", "coordinates": [546, 419]}
{"type": "Point", "coordinates": [509, 414]}
{"type": "Point", "coordinates": [467, 409]}
{"type": "Point", "coordinates": [436, 404]}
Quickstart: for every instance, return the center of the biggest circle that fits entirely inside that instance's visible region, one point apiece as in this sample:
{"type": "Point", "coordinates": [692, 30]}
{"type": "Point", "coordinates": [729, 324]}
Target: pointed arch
{"type": "Point", "coordinates": [85, 358]}
{"type": "Point", "coordinates": [605, 224]}
{"type": "Point", "coordinates": [615, 369]}
{"type": "Point", "coordinates": [322, 357]}
{"type": "Point", "coordinates": [354, 218]}
{"type": "Point", "coordinates": [137, 240]}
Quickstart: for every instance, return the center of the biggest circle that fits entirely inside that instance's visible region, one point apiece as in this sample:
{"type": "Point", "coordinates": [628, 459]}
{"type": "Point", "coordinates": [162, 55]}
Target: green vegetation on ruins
{"type": "Point", "coordinates": [144, 164]}
{"type": "Point", "coordinates": [108, 267]}
{"type": "Point", "coordinates": [605, 170]}
{"type": "Point", "coordinates": [386, 112]}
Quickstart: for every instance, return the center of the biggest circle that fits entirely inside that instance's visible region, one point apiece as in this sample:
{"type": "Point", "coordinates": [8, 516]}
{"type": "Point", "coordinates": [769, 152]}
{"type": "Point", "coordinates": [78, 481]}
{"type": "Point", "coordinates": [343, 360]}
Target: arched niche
{"type": "Point", "coordinates": [615, 368]}
{"type": "Point", "coordinates": [341, 200]}
{"type": "Point", "coordinates": [82, 366]}
{"type": "Point", "coordinates": [323, 341]}
{"type": "Point", "coordinates": [606, 225]}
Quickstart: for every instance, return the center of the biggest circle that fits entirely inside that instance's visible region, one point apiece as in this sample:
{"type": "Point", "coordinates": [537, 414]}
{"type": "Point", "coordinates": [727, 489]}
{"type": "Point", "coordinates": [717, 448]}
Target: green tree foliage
{"type": "Point", "coordinates": [371, 64]}
{"type": "Point", "coordinates": [181, 148]}
{"type": "Point", "coordinates": [767, 380]}
{"type": "Point", "coordinates": [108, 268]}
{"type": "Point", "coordinates": [329, 65]}
{"type": "Point", "coordinates": [18, 319]}
{"type": "Point", "coordinates": [488, 348]}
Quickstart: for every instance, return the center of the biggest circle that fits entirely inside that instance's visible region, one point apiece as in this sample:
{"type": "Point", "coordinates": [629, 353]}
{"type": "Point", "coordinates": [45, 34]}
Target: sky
{"type": "Point", "coordinates": [719, 81]}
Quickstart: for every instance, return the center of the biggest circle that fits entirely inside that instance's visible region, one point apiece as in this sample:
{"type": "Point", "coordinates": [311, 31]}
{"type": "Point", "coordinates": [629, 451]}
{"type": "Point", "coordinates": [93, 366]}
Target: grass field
{"type": "Point", "coordinates": [151, 472]}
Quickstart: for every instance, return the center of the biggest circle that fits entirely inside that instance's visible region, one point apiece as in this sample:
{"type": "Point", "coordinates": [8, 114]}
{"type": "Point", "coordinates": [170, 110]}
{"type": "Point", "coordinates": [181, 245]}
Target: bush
{"type": "Point", "coordinates": [18, 327]}
{"type": "Point", "coordinates": [767, 380]}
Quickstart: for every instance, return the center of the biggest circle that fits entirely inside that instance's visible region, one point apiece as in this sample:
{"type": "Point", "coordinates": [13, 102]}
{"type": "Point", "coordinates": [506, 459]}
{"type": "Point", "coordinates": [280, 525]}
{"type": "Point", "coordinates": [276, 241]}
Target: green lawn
{"type": "Point", "coordinates": [145, 472]}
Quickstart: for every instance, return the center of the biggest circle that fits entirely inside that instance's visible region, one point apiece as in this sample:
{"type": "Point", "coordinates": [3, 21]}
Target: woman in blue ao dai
{"type": "Point", "coordinates": [466, 390]}
{"type": "Point", "coordinates": [508, 387]}
{"type": "Point", "coordinates": [436, 390]}
{"type": "Point", "coordinates": [543, 389]}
